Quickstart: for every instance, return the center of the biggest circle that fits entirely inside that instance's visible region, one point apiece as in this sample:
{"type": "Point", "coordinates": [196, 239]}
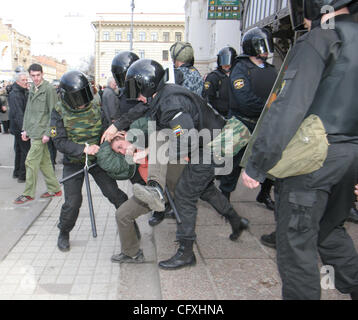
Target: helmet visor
{"type": "Point", "coordinates": [78, 98]}
{"type": "Point", "coordinates": [120, 79]}
{"type": "Point", "coordinates": [297, 14]}
{"type": "Point", "coordinates": [260, 46]}
{"type": "Point", "coordinates": [132, 90]}
{"type": "Point", "coordinates": [225, 59]}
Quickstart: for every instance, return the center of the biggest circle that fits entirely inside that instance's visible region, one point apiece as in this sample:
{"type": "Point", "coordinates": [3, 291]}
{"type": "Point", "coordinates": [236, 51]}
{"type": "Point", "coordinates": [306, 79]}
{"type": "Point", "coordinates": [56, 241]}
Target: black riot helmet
{"type": "Point", "coordinates": [226, 57]}
{"type": "Point", "coordinates": [257, 41]}
{"type": "Point", "coordinates": [75, 89]}
{"type": "Point", "coordinates": [120, 64]}
{"type": "Point", "coordinates": [312, 9]}
{"type": "Point", "coordinates": [144, 77]}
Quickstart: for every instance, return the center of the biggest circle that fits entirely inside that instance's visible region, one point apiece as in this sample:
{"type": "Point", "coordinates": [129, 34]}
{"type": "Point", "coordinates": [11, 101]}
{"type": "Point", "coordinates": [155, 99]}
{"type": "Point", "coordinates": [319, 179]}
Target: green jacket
{"type": "Point", "coordinates": [38, 110]}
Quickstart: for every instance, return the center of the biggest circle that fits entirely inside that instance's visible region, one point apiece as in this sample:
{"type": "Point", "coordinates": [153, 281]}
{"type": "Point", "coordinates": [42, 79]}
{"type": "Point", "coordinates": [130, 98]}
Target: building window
{"type": "Point", "coordinates": [166, 37]}
{"type": "Point", "coordinates": [141, 54]}
{"type": "Point", "coordinates": [165, 55]}
{"type": "Point", "coordinates": [118, 36]}
{"type": "Point", "coordinates": [129, 36]}
{"type": "Point", "coordinates": [142, 36]}
{"type": "Point", "coordinates": [106, 35]}
{"type": "Point", "coordinates": [177, 36]}
{"type": "Point", "coordinates": [154, 36]}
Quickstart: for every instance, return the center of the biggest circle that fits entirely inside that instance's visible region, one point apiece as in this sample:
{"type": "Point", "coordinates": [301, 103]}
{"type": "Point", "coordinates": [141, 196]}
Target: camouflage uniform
{"type": "Point", "coordinates": [70, 130]}
{"type": "Point", "coordinates": [192, 79]}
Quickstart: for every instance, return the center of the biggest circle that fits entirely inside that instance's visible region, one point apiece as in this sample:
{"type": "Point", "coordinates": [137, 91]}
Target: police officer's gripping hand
{"type": "Point", "coordinates": [91, 150]}
{"type": "Point", "coordinates": [109, 134]}
{"type": "Point", "coordinates": [249, 182]}
{"type": "Point", "coordinates": [356, 191]}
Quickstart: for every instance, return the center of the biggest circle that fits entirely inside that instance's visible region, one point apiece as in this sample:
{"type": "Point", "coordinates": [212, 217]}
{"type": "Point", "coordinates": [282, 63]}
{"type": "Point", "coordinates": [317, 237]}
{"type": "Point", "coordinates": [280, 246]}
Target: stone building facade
{"type": "Point", "coordinates": [153, 35]}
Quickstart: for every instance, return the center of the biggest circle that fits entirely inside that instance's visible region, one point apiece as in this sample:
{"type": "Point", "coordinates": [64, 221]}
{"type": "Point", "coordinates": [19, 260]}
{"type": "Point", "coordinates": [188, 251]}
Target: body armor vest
{"type": "Point", "coordinates": [82, 126]}
{"type": "Point", "coordinates": [336, 101]}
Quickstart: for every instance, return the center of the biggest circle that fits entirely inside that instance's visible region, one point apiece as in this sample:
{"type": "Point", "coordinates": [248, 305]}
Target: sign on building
{"type": "Point", "coordinates": [224, 10]}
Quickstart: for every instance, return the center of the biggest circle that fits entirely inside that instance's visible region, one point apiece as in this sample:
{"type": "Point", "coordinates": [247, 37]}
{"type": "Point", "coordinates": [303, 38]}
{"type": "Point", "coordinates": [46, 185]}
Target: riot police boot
{"type": "Point", "coordinates": [63, 242]}
{"type": "Point", "coordinates": [151, 194]}
{"type": "Point", "coordinates": [353, 215]}
{"type": "Point", "coordinates": [184, 257]}
{"type": "Point", "coordinates": [265, 198]}
{"type": "Point", "coordinates": [238, 224]}
{"type": "Point", "coordinates": [158, 217]}
{"type": "Point", "coordinates": [269, 240]}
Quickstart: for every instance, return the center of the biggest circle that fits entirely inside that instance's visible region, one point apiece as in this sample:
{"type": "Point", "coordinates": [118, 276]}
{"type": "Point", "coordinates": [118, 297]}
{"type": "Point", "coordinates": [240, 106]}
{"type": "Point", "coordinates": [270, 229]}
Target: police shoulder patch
{"type": "Point", "coordinates": [207, 85]}
{"type": "Point", "coordinates": [178, 131]}
{"type": "Point", "coordinates": [53, 132]}
{"type": "Point", "coordinates": [239, 84]}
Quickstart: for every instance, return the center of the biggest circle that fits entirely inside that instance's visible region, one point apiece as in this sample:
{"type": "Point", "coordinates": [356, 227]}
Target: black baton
{"type": "Point", "coordinates": [90, 203]}
{"type": "Point", "coordinates": [172, 204]}
{"type": "Point", "coordinates": [76, 173]}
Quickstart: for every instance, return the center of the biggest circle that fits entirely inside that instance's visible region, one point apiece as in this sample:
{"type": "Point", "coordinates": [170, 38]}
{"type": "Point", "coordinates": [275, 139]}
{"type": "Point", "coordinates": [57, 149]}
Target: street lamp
{"type": "Point", "coordinates": [131, 39]}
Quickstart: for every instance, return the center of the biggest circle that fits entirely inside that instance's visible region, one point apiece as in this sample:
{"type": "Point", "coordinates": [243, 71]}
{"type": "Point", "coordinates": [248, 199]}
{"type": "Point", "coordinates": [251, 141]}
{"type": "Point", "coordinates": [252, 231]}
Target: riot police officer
{"type": "Point", "coordinates": [314, 206]}
{"type": "Point", "coordinates": [217, 83]}
{"type": "Point", "coordinates": [251, 81]}
{"type": "Point", "coordinates": [179, 110]}
{"type": "Point", "coordinates": [182, 54]}
{"type": "Point", "coordinates": [76, 130]}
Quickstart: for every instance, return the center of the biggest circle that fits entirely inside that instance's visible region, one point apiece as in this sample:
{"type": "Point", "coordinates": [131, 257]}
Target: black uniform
{"type": "Point", "coordinates": [250, 88]}
{"type": "Point", "coordinates": [17, 102]}
{"type": "Point", "coordinates": [217, 91]}
{"type": "Point", "coordinates": [177, 108]}
{"type": "Point", "coordinates": [321, 79]}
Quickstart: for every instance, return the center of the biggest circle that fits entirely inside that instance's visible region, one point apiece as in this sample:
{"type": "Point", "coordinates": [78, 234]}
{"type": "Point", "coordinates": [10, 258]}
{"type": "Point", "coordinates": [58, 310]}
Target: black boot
{"type": "Point", "coordinates": [265, 198]}
{"type": "Point", "coordinates": [158, 217]}
{"type": "Point", "coordinates": [269, 240]}
{"type": "Point", "coordinates": [184, 257]}
{"type": "Point", "coordinates": [63, 242]}
{"type": "Point", "coordinates": [238, 224]}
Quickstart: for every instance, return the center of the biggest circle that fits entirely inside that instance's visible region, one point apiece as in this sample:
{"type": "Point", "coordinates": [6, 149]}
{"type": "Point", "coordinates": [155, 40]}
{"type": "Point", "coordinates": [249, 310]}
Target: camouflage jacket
{"type": "Point", "coordinates": [192, 79]}
{"type": "Point", "coordinates": [72, 129]}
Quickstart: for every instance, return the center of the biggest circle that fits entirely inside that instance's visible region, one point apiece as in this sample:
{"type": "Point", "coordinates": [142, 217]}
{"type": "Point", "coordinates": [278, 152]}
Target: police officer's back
{"type": "Point", "coordinates": [182, 55]}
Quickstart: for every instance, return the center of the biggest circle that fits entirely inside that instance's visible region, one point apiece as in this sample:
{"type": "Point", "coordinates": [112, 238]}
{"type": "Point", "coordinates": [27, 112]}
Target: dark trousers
{"type": "Point", "coordinates": [310, 212]}
{"type": "Point", "coordinates": [6, 124]}
{"type": "Point", "coordinates": [21, 149]}
{"type": "Point", "coordinates": [53, 152]}
{"type": "Point", "coordinates": [73, 193]}
{"type": "Point", "coordinates": [196, 181]}
{"type": "Point", "coordinates": [229, 182]}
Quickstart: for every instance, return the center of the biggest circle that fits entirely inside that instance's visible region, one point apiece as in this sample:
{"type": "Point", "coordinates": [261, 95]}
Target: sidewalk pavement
{"type": "Point", "coordinates": [31, 266]}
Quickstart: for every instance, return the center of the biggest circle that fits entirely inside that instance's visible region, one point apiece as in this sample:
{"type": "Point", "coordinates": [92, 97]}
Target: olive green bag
{"type": "Point", "coordinates": [306, 151]}
{"type": "Point", "coordinates": [233, 137]}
